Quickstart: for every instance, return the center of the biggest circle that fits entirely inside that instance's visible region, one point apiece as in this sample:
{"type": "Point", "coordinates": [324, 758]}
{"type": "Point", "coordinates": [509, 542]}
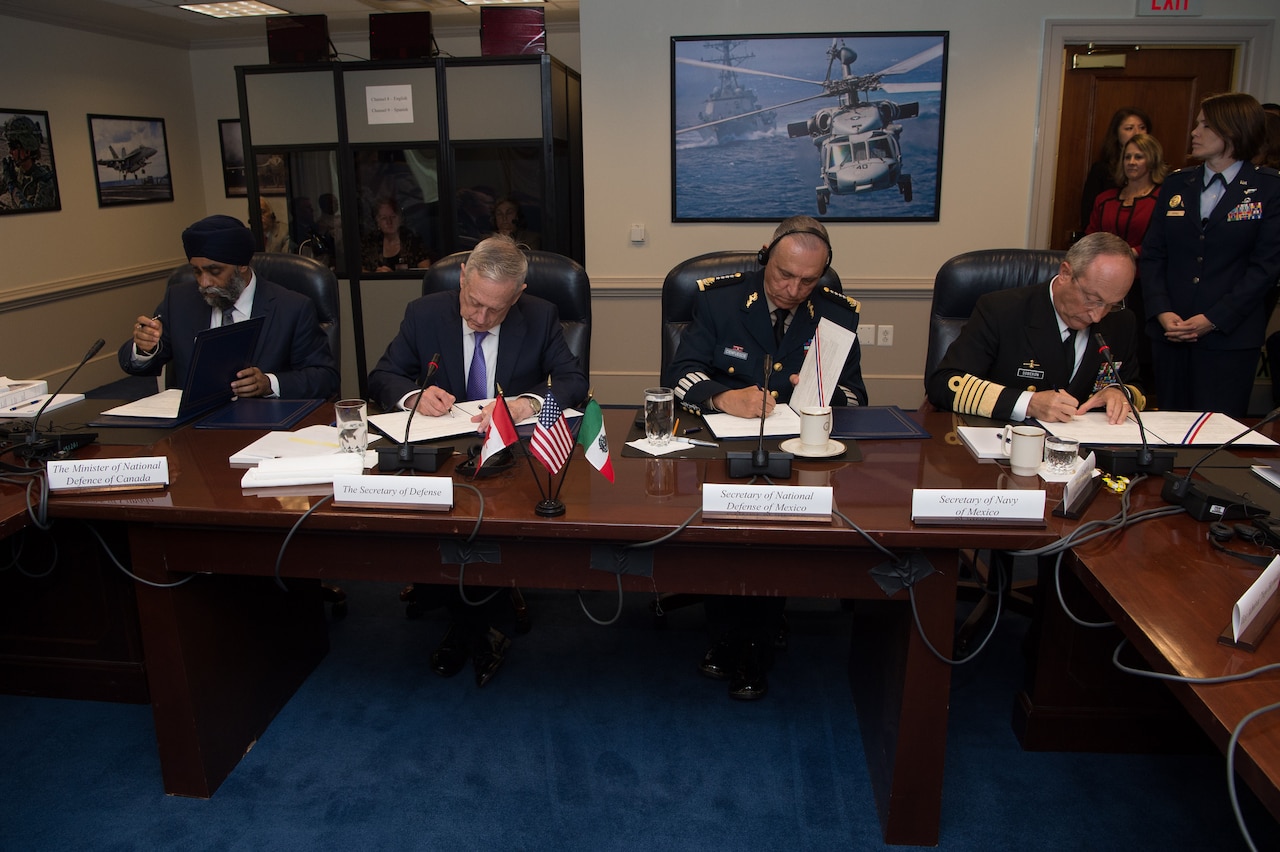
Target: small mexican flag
{"type": "Point", "coordinates": [592, 438]}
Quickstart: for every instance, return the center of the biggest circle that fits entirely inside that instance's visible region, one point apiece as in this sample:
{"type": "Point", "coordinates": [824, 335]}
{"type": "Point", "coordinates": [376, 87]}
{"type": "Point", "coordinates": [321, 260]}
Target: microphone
{"type": "Point", "coordinates": [36, 445]}
{"type": "Point", "coordinates": [408, 456]}
{"type": "Point", "coordinates": [1123, 461]}
{"type": "Point", "coordinates": [760, 462]}
{"type": "Point", "coordinates": [1205, 501]}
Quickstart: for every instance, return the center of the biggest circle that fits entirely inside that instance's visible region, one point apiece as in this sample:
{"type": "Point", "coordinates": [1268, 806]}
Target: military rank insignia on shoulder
{"type": "Point", "coordinates": [718, 280]}
{"type": "Point", "coordinates": [842, 299]}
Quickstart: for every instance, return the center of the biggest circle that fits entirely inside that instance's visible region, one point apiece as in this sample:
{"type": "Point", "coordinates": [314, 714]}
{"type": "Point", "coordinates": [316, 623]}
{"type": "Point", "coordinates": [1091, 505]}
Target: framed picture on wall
{"type": "Point", "coordinates": [233, 179]}
{"type": "Point", "coordinates": [846, 127]}
{"type": "Point", "coordinates": [28, 179]}
{"type": "Point", "coordinates": [131, 156]}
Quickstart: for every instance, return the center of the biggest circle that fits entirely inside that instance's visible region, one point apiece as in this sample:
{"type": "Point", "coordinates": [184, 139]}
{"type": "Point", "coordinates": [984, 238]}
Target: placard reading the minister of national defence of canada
{"type": "Point", "coordinates": [133, 474]}
{"type": "Point", "coordinates": [767, 502]}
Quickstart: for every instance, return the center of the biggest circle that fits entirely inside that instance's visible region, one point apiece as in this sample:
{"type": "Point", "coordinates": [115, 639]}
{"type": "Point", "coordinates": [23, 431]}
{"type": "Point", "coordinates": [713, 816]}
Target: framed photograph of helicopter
{"type": "Point", "coordinates": [131, 158]}
{"type": "Point", "coordinates": [846, 127]}
{"type": "Point", "coordinates": [28, 181]}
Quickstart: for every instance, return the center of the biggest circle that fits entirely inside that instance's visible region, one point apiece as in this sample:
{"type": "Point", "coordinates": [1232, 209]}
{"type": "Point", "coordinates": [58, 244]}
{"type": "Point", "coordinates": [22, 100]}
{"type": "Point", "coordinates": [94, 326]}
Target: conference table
{"type": "Point", "coordinates": [225, 648]}
{"type": "Point", "coordinates": [1174, 602]}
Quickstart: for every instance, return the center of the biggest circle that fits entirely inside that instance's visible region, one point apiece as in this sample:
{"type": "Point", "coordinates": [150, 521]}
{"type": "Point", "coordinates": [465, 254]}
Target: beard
{"type": "Point", "coordinates": [225, 297]}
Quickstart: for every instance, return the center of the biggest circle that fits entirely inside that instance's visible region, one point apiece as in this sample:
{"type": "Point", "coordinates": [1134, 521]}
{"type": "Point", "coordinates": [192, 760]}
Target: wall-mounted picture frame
{"type": "Point", "coordinates": [232, 143]}
{"type": "Point", "coordinates": [131, 158]}
{"type": "Point", "coordinates": [28, 177]}
{"type": "Point", "coordinates": [845, 127]}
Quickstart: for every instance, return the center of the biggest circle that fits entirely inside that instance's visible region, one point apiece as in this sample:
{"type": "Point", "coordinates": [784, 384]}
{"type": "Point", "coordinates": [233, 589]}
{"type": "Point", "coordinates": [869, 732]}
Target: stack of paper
{"type": "Point", "coordinates": [985, 442]}
{"type": "Point", "coordinates": [28, 410]}
{"type": "Point", "coordinates": [302, 471]}
{"type": "Point", "coordinates": [14, 391]}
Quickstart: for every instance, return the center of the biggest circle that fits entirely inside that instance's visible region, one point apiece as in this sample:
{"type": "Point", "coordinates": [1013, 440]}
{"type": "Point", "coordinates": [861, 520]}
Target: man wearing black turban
{"type": "Point", "coordinates": [292, 360]}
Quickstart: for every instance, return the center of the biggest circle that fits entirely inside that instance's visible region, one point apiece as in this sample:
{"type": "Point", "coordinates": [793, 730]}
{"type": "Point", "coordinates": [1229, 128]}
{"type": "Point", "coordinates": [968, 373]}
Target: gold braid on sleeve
{"type": "Point", "coordinates": [973, 395]}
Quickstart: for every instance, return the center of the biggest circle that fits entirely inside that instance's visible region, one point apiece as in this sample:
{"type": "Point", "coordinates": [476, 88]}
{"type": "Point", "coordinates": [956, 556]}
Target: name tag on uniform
{"type": "Point", "coordinates": [1024, 373]}
{"type": "Point", "coordinates": [735, 352]}
{"type": "Point", "coordinates": [1175, 213]}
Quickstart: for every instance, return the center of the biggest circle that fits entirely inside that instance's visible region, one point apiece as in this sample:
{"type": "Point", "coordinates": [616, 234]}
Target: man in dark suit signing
{"type": "Point", "coordinates": [1030, 352]}
{"type": "Point", "coordinates": [487, 335]}
{"type": "Point", "coordinates": [292, 359]}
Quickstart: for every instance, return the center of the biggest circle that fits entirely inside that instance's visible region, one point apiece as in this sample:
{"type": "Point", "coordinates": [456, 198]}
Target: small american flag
{"type": "Point", "coordinates": [551, 442]}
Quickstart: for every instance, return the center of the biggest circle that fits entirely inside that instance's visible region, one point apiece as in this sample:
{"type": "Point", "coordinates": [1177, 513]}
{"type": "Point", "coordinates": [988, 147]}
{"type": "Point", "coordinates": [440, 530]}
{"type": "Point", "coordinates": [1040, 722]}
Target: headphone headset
{"type": "Point", "coordinates": [762, 257]}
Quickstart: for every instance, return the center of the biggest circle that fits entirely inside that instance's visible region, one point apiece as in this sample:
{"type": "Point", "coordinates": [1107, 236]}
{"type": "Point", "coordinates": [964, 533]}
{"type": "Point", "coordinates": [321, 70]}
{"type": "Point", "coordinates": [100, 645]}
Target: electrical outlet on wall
{"type": "Point", "coordinates": [867, 334]}
{"type": "Point", "coordinates": [884, 335]}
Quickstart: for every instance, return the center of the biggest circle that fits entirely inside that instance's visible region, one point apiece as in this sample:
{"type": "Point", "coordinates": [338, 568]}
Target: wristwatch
{"type": "Point", "coordinates": [536, 403]}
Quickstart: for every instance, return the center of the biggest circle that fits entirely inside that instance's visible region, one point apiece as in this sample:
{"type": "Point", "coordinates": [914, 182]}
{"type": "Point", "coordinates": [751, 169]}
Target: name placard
{"type": "Point", "coordinates": [132, 474]}
{"type": "Point", "coordinates": [429, 493]}
{"type": "Point", "coordinates": [767, 502]}
{"type": "Point", "coordinates": [965, 506]}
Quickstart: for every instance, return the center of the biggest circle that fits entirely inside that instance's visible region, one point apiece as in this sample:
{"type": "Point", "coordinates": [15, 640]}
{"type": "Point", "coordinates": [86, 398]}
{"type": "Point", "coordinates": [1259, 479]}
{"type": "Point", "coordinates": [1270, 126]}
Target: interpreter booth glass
{"type": "Point", "coordinates": [493, 174]}
{"type": "Point", "coordinates": [403, 183]}
{"type": "Point", "coordinates": [313, 208]}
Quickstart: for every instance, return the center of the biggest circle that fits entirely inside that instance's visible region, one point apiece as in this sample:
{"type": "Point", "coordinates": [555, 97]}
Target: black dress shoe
{"type": "Point", "coordinates": [720, 660]}
{"type": "Point", "coordinates": [451, 654]}
{"type": "Point", "coordinates": [750, 679]}
{"type": "Point", "coordinates": [489, 656]}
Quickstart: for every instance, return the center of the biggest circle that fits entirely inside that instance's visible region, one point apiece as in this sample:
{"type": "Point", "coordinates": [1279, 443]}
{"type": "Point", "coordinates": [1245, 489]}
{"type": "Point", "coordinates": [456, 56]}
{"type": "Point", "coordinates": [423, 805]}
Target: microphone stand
{"type": "Point", "coordinates": [1122, 461]}
{"type": "Point", "coordinates": [38, 446]}
{"type": "Point", "coordinates": [760, 462]}
{"type": "Point", "coordinates": [409, 456]}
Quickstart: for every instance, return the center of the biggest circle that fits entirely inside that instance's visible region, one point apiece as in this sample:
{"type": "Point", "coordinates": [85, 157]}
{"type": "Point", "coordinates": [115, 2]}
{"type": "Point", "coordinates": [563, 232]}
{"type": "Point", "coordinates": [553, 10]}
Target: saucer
{"type": "Point", "coordinates": [793, 446]}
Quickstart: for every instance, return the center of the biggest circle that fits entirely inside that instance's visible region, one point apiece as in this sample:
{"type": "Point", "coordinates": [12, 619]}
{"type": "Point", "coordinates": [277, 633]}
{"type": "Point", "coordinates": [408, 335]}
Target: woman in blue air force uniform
{"type": "Point", "coordinates": [1210, 255]}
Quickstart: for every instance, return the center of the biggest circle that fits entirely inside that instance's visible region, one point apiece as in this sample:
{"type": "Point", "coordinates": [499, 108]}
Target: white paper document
{"type": "Point", "coordinates": [457, 422]}
{"type": "Point", "coordinates": [820, 373]}
{"type": "Point", "coordinates": [1173, 428]}
{"type": "Point", "coordinates": [163, 404]}
{"type": "Point", "coordinates": [781, 422]}
{"type": "Point", "coordinates": [309, 441]}
{"type": "Point", "coordinates": [28, 409]}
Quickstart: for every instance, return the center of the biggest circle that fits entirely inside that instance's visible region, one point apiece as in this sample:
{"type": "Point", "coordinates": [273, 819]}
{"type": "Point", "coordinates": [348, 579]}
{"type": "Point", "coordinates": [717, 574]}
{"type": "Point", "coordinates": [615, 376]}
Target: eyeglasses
{"type": "Point", "coordinates": [1093, 303]}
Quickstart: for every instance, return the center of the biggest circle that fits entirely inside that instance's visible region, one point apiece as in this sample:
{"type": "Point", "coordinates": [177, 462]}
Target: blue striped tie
{"type": "Point", "coordinates": [478, 377]}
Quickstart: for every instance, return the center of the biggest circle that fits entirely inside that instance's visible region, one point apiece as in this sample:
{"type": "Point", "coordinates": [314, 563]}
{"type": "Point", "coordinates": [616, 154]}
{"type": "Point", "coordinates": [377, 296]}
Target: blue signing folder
{"type": "Point", "coordinates": [218, 354]}
{"type": "Point", "coordinates": [869, 422]}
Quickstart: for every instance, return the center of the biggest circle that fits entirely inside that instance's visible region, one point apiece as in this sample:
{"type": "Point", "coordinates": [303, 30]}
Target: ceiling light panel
{"type": "Point", "coordinates": [245, 9]}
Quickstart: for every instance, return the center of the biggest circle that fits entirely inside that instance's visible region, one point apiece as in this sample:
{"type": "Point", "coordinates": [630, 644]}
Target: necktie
{"type": "Point", "coordinates": [1069, 351]}
{"type": "Point", "coordinates": [478, 376]}
{"type": "Point", "coordinates": [780, 323]}
{"type": "Point", "coordinates": [228, 316]}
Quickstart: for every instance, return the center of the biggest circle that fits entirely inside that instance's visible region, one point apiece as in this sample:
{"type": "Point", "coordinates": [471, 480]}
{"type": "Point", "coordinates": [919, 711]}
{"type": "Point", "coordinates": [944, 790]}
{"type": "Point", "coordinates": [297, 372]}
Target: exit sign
{"type": "Point", "coordinates": [1170, 8]}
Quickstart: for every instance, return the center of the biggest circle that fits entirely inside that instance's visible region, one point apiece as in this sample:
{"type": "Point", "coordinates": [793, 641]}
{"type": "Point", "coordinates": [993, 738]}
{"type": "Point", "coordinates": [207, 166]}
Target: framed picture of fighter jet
{"type": "Point", "coordinates": [28, 181]}
{"type": "Point", "coordinates": [131, 160]}
{"type": "Point", "coordinates": [845, 127]}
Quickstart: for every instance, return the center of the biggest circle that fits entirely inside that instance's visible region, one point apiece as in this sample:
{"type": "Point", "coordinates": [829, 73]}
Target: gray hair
{"type": "Point", "coordinates": [1092, 246]}
{"type": "Point", "coordinates": [799, 226]}
{"type": "Point", "coordinates": [498, 258]}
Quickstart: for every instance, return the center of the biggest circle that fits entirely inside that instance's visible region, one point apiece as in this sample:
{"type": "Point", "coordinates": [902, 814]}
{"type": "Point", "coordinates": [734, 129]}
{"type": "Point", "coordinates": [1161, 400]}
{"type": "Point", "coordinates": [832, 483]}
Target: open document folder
{"type": "Point", "coordinates": [1164, 428]}
{"type": "Point", "coordinates": [819, 376]}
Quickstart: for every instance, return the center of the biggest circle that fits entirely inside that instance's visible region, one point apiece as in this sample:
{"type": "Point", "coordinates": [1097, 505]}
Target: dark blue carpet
{"type": "Point", "coordinates": [590, 738]}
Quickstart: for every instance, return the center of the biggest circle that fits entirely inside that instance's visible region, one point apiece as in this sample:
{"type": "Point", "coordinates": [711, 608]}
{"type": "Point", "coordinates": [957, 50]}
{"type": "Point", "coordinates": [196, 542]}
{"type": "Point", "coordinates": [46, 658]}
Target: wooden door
{"type": "Point", "coordinates": [1167, 82]}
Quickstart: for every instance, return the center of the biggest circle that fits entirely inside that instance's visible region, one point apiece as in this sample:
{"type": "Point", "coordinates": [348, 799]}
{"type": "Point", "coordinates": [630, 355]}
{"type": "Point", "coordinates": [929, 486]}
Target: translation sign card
{"type": "Point", "coordinates": [792, 502]}
{"type": "Point", "coordinates": [964, 506]}
{"type": "Point", "coordinates": [108, 474]}
{"type": "Point", "coordinates": [389, 104]}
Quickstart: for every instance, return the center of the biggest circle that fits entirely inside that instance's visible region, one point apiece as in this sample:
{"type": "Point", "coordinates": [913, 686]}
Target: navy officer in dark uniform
{"type": "Point", "coordinates": [719, 366]}
{"type": "Point", "coordinates": [1030, 352]}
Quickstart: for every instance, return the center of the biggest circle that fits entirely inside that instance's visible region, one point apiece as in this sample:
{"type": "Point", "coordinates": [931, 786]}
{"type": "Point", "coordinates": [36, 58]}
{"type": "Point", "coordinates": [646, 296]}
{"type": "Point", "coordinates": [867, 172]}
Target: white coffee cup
{"type": "Point", "coordinates": [815, 428]}
{"type": "Point", "coordinates": [1024, 447]}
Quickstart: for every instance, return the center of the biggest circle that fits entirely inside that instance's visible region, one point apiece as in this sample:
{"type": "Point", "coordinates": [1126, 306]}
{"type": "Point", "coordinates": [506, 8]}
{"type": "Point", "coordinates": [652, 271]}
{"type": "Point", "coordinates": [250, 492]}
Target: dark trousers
{"type": "Point", "coordinates": [743, 619]}
{"type": "Point", "coordinates": [1192, 378]}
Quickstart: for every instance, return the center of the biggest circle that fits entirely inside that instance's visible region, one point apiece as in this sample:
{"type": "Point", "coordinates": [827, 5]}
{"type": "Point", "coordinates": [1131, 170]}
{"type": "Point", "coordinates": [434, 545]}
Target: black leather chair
{"type": "Point", "coordinates": [554, 277]}
{"type": "Point", "coordinates": [681, 286]}
{"type": "Point", "coordinates": [956, 289]}
{"type": "Point", "coordinates": [561, 281]}
{"type": "Point", "coordinates": [966, 277]}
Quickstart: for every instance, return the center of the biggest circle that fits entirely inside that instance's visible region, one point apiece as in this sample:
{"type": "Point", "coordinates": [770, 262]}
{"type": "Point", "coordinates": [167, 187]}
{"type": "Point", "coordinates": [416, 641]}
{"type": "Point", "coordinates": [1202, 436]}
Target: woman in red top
{"type": "Point", "coordinates": [1126, 211]}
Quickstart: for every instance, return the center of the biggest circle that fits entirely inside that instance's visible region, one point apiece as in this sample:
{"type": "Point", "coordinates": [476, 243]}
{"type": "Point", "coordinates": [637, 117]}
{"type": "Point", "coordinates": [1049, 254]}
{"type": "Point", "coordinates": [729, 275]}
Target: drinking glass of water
{"type": "Point", "coordinates": [352, 417]}
{"type": "Point", "coordinates": [659, 414]}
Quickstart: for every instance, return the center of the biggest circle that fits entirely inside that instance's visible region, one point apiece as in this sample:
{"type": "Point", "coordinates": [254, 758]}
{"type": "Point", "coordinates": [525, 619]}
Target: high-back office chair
{"type": "Point", "coordinates": [557, 279]}
{"type": "Point", "coordinates": [959, 284]}
{"type": "Point", "coordinates": [680, 289]}
{"type": "Point", "coordinates": [560, 280]}
{"type": "Point", "coordinates": [966, 277]}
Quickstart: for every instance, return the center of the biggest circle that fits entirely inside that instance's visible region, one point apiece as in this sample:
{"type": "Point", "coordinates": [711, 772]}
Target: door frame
{"type": "Point", "coordinates": [1251, 38]}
